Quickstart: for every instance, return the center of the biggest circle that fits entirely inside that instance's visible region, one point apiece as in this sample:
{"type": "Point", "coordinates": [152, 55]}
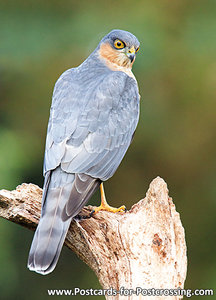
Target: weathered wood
{"type": "Point", "coordinates": [144, 247]}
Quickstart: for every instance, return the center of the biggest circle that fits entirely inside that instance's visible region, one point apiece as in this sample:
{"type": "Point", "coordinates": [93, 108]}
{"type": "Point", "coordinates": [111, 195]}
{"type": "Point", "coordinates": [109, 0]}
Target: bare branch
{"type": "Point", "coordinates": [144, 247]}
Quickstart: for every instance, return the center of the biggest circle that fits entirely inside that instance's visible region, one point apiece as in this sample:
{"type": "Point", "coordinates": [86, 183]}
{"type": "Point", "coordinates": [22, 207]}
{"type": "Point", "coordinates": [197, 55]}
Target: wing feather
{"type": "Point", "coordinates": [101, 126]}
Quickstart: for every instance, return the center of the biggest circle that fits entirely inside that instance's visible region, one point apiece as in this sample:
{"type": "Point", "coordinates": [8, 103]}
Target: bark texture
{"type": "Point", "coordinates": [144, 247]}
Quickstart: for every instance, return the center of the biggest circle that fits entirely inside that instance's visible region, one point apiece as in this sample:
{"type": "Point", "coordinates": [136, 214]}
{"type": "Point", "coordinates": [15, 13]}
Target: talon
{"type": "Point", "coordinates": [77, 218]}
{"type": "Point", "coordinates": [81, 217]}
{"type": "Point", "coordinates": [91, 213]}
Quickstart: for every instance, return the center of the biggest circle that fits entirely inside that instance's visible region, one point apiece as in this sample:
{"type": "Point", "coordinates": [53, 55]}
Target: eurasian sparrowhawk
{"type": "Point", "coordinates": [93, 117]}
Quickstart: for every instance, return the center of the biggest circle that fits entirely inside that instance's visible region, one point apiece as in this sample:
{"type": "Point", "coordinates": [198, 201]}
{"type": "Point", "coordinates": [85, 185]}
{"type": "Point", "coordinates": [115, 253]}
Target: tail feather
{"type": "Point", "coordinates": [50, 233]}
{"type": "Point", "coordinates": [52, 229]}
{"type": "Point", "coordinates": [45, 262]}
{"type": "Point", "coordinates": [83, 188]}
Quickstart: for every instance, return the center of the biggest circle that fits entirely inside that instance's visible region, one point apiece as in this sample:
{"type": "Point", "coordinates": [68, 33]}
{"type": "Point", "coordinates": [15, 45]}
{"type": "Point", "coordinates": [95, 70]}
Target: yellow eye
{"type": "Point", "coordinates": [137, 49]}
{"type": "Point", "coordinates": [119, 44]}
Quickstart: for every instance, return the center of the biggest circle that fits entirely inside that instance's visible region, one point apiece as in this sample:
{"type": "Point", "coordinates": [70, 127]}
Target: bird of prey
{"type": "Point", "coordinates": [93, 117]}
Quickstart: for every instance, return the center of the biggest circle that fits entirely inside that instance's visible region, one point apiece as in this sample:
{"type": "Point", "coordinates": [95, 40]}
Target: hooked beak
{"type": "Point", "coordinates": [131, 54]}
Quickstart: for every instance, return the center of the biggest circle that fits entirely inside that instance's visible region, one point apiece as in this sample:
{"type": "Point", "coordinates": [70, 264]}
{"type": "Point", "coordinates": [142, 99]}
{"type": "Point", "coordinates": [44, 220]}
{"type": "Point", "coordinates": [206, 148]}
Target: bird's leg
{"type": "Point", "coordinates": [105, 206]}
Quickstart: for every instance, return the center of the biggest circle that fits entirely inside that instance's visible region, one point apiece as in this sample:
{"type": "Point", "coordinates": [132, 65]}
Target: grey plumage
{"type": "Point", "coordinates": [93, 116]}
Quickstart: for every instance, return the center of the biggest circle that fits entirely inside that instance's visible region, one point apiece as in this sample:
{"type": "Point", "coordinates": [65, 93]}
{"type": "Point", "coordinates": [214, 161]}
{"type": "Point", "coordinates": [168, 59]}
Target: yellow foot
{"type": "Point", "coordinates": [105, 206]}
{"type": "Point", "coordinates": [108, 208]}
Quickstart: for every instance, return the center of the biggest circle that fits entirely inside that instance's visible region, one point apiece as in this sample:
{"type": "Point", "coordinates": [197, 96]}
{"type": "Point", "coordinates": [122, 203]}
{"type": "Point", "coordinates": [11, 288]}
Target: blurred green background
{"type": "Point", "coordinates": [175, 139]}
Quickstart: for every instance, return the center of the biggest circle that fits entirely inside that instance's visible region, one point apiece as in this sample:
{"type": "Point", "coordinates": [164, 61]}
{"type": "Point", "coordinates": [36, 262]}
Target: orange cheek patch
{"type": "Point", "coordinates": [112, 56]}
{"type": "Point", "coordinates": [108, 53]}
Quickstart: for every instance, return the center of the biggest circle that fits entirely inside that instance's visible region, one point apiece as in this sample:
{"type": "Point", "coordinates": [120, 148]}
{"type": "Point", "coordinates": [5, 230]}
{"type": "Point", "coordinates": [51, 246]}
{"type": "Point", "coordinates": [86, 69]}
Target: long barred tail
{"type": "Point", "coordinates": [64, 195]}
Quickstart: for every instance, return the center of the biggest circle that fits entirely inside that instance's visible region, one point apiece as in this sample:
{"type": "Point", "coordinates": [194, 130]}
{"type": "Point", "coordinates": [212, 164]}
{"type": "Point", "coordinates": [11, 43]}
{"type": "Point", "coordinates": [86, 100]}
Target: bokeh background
{"type": "Point", "coordinates": [175, 139]}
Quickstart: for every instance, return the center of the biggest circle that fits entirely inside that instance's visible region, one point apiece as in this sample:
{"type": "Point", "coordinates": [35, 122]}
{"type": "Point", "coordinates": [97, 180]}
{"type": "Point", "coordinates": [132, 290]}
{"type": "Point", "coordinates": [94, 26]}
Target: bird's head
{"type": "Point", "coordinates": [119, 47]}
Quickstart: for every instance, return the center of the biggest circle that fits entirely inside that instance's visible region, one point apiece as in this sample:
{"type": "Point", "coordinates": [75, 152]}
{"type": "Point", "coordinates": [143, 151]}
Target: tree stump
{"type": "Point", "coordinates": [132, 253]}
